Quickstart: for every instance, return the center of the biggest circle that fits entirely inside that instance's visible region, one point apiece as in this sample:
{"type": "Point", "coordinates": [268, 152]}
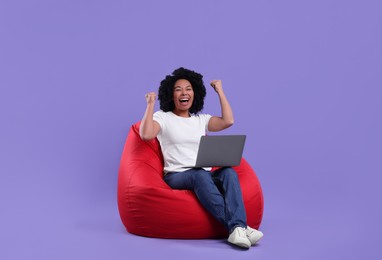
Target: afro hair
{"type": "Point", "coordinates": [166, 90]}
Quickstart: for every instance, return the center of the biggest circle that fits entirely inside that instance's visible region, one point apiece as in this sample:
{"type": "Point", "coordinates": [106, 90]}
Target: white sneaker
{"type": "Point", "coordinates": [239, 237]}
{"type": "Point", "coordinates": [253, 235]}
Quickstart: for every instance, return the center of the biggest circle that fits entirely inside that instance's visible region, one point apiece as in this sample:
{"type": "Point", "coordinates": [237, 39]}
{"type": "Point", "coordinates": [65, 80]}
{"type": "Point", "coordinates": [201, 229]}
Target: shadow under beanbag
{"type": "Point", "coordinates": [149, 207]}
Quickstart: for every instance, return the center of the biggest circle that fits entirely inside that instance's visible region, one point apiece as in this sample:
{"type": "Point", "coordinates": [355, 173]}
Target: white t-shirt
{"type": "Point", "coordinates": [179, 138]}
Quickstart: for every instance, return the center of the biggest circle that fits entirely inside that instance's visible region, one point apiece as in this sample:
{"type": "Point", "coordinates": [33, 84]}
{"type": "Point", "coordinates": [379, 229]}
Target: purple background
{"type": "Point", "coordinates": [303, 78]}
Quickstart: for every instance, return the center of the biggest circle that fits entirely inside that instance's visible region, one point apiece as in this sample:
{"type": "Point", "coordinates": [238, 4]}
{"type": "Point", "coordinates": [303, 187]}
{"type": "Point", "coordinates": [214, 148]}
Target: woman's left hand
{"type": "Point", "coordinates": [218, 123]}
{"type": "Point", "coordinates": [217, 85]}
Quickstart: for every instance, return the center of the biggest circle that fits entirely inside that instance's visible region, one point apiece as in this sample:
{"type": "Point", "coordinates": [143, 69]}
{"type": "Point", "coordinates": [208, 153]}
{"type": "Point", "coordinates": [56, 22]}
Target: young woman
{"type": "Point", "coordinates": [178, 127]}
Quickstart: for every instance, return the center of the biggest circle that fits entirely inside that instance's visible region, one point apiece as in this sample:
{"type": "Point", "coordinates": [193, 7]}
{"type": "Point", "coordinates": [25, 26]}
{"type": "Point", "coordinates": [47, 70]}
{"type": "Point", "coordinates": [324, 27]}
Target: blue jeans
{"type": "Point", "coordinates": [219, 192]}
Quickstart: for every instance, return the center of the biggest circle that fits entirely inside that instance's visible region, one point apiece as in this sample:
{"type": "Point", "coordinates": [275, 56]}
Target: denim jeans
{"type": "Point", "coordinates": [219, 192]}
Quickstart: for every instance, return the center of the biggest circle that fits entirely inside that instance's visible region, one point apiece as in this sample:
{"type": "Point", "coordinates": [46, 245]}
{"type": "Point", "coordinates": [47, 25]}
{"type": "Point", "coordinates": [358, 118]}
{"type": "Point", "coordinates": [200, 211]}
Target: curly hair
{"type": "Point", "coordinates": [166, 90]}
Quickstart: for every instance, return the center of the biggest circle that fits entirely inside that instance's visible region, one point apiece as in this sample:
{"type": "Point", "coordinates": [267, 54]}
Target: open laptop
{"type": "Point", "coordinates": [220, 150]}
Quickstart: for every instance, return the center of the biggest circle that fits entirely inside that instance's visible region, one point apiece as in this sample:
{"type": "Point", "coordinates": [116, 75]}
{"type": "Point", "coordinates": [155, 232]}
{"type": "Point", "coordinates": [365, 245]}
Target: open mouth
{"type": "Point", "coordinates": [184, 100]}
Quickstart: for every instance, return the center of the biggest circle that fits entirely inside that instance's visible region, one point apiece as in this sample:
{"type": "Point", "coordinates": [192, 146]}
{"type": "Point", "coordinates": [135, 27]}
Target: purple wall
{"type": "Point", "coordinates": [303, 78]}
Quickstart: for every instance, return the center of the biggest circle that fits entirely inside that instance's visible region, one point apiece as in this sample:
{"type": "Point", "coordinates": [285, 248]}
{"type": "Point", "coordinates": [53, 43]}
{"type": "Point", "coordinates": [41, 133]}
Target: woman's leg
{"type": "Point", "coordinates": [227, 209]}
{"type": "Point", "coordinates": [200, 181]}
{"type": "Point", "coordinates": [227, 181]}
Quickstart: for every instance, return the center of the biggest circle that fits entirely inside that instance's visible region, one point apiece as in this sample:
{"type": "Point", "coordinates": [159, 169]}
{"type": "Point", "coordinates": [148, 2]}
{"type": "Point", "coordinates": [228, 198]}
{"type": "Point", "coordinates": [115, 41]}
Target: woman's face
{"type": "Point", "coordinates": [183, 96]}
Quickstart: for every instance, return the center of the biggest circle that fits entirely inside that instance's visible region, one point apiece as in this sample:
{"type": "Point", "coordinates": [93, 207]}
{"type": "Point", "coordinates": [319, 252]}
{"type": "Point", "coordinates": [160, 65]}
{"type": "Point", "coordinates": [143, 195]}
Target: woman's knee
{"type": "Point", "coordinates": [201, 176]}
{"type": "Point", "coordinates": [229, 174]}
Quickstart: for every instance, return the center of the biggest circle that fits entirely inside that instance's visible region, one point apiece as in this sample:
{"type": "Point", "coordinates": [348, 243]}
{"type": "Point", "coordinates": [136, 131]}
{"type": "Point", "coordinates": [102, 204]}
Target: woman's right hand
{"type": "Point", "coordinates": [150, 98]}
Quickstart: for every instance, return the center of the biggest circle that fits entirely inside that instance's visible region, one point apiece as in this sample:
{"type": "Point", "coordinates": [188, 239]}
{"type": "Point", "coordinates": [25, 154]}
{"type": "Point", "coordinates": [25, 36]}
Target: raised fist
{"type": "Point", "coordinates": [217, 85]}
{"type": "Point", "coordinates": [150, 97]}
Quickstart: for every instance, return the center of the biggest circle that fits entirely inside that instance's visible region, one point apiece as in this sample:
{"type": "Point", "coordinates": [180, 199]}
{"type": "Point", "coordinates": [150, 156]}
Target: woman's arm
{"type": "Point", "coordinates": [149, 128]}
{"type": "Point", "coordinates": [226, 119]}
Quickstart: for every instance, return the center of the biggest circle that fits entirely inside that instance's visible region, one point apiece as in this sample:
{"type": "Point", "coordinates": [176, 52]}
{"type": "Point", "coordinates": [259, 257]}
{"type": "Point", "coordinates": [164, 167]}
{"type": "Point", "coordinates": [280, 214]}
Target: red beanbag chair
{"type": "Point", "coordinates": [149, 207]}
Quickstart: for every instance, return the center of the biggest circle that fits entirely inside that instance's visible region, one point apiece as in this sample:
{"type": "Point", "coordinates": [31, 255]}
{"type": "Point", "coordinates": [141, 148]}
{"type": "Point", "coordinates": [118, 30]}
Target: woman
{"type": "Point", "coordinates": [178, 127]}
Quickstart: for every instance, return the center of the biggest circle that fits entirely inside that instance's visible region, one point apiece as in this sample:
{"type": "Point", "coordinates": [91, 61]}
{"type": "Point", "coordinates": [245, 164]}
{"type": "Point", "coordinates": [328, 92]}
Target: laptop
{"type": "Point", "coordinates": [220, 150]}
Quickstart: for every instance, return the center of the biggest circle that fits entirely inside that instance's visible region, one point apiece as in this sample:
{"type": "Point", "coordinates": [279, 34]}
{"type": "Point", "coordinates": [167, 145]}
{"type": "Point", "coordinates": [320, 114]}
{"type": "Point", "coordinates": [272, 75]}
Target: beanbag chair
{"type": "Point", "coordinates": [149, 207]}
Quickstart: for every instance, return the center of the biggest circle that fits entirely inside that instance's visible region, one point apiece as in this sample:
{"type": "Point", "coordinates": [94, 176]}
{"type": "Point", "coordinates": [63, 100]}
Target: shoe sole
{"type": "Point", "coordinates": [240, 244]}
